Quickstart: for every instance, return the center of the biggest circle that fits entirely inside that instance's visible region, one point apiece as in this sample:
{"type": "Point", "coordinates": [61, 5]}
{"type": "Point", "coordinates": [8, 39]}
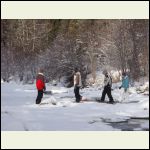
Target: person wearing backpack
{"type": "Point", "coordinates": [107, 87]}
{"type": "Point", "coordinates": [40, 85]}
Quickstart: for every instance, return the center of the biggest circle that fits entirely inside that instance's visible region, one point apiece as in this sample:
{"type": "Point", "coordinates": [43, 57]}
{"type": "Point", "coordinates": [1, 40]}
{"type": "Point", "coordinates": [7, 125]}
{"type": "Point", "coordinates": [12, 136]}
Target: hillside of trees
{"type": "Point", "coordinates": [58, 46]}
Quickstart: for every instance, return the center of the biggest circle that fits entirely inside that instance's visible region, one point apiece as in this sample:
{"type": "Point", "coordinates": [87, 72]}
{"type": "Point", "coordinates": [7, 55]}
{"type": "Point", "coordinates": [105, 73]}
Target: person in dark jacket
{"type": "Point", "coordinates": [40, 85]}
{"type": "Point", "coordinates": [107, 88]}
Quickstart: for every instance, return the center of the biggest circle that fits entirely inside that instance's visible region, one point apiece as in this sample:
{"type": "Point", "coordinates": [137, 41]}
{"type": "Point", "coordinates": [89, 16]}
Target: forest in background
{"type": "Point", "coordinates": [58, 46]}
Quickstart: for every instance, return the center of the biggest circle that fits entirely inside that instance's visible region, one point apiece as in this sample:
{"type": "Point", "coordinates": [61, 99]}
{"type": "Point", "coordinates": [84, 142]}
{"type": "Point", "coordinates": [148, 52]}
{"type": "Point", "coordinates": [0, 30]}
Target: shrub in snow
{"type": "Point", "coordinates": [54, 82]}
{"type": "Point", "coordinates": [66, 81]}
{"type": "Point", "coordinates": [143, 88]}
{"type": "Point", "coordinates": [11, 78]}
{"type": "Point", "coordinates": [132, 90]}
{"type": "Point", "coordinates": [99, 79]}
{"type": "Point", "coordinates": [116, 76]}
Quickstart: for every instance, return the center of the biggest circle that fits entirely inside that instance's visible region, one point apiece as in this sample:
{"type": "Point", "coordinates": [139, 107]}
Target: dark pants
{"type": "Point", "coordinates": [107, 90]}
{"type": "Point", "coordinates": [77, 95]}
{"type": "Point", "coordinates": [39, 96]}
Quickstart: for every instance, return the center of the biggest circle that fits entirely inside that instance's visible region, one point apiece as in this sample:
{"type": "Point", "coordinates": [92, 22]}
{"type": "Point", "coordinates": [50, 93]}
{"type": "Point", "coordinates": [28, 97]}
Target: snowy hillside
{"type": "Point", "coordinates": [20, 113]}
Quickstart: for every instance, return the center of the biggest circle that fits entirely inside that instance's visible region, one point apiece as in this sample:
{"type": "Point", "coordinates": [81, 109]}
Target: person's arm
{"type": "Point", "coordinates": [44, 86]}
{"type": "Point", "coordinates": [77, 79]}
{"type": "Point", "coordinates": [128, 82]}
{"type": "Point", "coordinates": [121, 85]}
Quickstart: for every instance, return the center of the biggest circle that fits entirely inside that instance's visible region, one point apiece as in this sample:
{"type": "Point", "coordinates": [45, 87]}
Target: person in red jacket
{"type": "Point", "coordinates": [40, 84]}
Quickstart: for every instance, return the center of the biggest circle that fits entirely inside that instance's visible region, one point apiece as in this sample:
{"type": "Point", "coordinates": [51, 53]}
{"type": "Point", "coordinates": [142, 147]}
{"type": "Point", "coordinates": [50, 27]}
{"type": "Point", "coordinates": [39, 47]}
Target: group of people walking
{"type": "Point", "coordinates": [107, 86]}
{"type": "Point", "coordinates": [40, 84]}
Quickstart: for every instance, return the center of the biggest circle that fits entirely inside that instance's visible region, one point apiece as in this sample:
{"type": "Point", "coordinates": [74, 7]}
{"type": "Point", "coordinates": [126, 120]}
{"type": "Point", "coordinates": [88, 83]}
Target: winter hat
{"type": "Point", "coordinates": [105, 72]}
{"type": "Point", "coordinates": [76, 69]}
{"type": "Point", "coordinates": [124, 74]}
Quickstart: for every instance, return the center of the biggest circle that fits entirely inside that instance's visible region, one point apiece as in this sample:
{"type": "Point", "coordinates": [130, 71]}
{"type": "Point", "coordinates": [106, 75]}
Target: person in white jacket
{"type": "Point", "coordinates": [77, 85]}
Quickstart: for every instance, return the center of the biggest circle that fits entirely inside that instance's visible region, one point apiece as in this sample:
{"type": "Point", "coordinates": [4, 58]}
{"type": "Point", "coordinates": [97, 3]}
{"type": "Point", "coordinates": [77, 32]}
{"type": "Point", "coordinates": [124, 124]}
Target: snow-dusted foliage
{"type": "Point", "coordinates": [58, 46]}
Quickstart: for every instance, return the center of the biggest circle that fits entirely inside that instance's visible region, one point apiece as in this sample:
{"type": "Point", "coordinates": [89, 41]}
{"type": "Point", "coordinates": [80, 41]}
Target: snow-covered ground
{"type": "Point", "coordinates": [20, 113]}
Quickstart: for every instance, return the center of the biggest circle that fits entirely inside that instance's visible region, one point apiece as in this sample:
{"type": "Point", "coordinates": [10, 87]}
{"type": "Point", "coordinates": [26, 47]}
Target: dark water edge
{"type": "Point", "coordinates": [130, 125]}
